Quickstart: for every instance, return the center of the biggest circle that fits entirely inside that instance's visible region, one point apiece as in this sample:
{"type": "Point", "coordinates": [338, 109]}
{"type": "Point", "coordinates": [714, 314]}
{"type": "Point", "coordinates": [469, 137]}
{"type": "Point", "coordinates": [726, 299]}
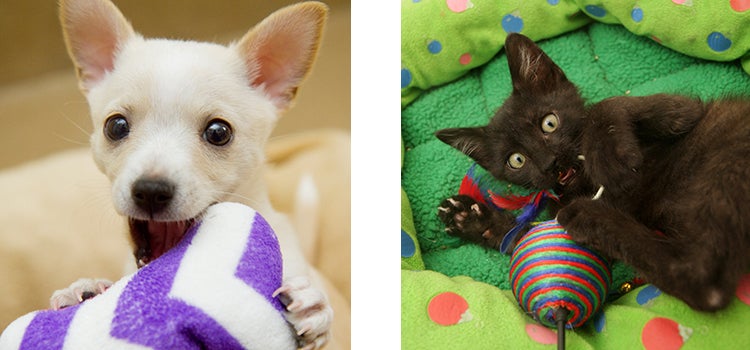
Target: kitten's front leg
{"type": "Point", "coordinates": [617, 235]}
{"type": "Point", "coordinates": [611, 150]}
{"type": "Point", "coordinates": [475, 222]}
{"type": "Point", "coordinates": [679, 268]}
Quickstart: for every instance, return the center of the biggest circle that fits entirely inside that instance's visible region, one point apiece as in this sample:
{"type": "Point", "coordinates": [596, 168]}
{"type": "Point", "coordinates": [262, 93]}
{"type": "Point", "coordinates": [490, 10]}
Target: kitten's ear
{"type": "Point", "coordinates": [280, 50]}
{"type": "Point", "coordinates": [94, 32]}
{"type": "Point", "coordinates": [470, 141]}
{"type": "Point", "coordinates": [531, 70]}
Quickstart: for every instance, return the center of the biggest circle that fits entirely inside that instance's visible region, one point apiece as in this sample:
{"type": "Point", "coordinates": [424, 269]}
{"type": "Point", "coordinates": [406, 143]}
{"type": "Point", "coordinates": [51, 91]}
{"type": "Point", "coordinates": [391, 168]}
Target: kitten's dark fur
{"type": "Point", "coordinates": [675, 171]}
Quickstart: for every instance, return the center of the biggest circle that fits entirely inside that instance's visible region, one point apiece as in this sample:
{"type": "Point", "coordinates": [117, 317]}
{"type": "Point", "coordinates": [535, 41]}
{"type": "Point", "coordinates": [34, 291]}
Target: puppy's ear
{"type": "Point", "coordinates": [94, 32]}
{"type": "Point", "coordinates": [280, 50]}
{"type": "Point", "coordinates": [531, 70]}
{"type": "Point", "coordinates": [470, 141]}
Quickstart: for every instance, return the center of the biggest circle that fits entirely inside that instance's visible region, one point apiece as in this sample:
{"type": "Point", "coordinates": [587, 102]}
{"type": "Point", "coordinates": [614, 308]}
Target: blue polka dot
{"type": "Point", "coordinates": [512, 23]}
{"type": "Point", "coordinates": [407, 245]}
{"type": "Point", "coordinates": [647, 294]}
{"type": "Point", "coordinates": [599, 321]}
{"type": "Point", "coordinates": [405, 77]}
{"type": "Point", "coordinates": [553, 2]}
{"type": "Point", "coordinates": [434, 47]}
{"type": "Point", "coordinates": [636, 14]}
{"type": "Point", "coordinates": [718, 42]}
{"type": "Point", "coordinates": [596, 11]}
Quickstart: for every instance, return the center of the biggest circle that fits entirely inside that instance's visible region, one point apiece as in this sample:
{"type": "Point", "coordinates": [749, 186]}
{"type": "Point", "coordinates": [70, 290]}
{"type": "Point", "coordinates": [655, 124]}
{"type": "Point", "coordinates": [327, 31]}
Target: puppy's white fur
{"type": "Point", "coordinates": [168, 91]}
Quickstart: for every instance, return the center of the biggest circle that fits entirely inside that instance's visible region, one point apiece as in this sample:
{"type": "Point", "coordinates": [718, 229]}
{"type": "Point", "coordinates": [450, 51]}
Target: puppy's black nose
{"type": "Point", "coordinates": [152, 195]}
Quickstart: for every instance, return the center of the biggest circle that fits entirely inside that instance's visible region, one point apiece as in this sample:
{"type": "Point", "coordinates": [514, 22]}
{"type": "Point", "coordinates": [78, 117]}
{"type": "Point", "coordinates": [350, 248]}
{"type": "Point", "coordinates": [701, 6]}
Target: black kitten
{"type": "Point", "coordinates": [675, 173]}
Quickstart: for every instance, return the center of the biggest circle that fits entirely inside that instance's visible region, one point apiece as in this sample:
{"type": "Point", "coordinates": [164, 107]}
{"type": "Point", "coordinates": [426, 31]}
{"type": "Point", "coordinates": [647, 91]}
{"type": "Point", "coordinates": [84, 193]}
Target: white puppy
{"type": "Point", "coordinates": [180, 125]}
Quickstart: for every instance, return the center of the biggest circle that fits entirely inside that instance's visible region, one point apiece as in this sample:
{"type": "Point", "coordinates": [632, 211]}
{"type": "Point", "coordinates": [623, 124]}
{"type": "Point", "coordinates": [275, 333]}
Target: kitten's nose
{"type": "Point", "coordinates": [152, 195]}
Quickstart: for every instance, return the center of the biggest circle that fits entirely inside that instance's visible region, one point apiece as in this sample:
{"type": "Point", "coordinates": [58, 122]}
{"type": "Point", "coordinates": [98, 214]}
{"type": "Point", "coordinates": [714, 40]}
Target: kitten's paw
{"type": "Point", "coordinates": [308, 311]}
{"type": "Point", "coordinates": [78, 292]}
{"type": "Point", "coordinates": [614, 160]}
{"type": "Point", "coordinates": [577, 220]}
{"type": "Point", "coordinates": [468, 219]}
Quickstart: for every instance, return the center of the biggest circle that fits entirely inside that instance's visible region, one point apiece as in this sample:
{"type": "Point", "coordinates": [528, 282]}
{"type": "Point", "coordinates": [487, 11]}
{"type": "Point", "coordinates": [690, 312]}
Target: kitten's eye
{"type": "Point", "coordinates": [218, 132]}
{"type": "Point", "coordinates": [550, 123]}
{"type": "Point", "coordinates": [116, 127]}
{"type": "Point", "coordinates": [516, 160]}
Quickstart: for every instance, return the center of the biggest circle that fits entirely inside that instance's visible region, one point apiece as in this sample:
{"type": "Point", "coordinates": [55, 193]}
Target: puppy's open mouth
{"type": "Point", "coordinates": [153, 238]}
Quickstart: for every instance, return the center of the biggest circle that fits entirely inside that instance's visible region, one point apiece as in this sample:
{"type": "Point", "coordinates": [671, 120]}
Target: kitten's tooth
{"type": "Point", "coordinates": [581, 157]}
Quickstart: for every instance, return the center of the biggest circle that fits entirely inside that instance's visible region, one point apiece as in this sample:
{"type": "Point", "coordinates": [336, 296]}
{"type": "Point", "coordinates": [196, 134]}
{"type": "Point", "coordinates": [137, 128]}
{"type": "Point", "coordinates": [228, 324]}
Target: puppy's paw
{"type": "Point", "coordinates": [77, 292]}
{"type": "Point", "coordinates": [308, 311]}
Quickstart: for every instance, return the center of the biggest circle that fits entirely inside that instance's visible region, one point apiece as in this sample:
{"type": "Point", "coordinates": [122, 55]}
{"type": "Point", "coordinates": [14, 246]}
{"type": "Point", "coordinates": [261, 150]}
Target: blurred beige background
{"type": "Point", "coordinates": [42, 111]}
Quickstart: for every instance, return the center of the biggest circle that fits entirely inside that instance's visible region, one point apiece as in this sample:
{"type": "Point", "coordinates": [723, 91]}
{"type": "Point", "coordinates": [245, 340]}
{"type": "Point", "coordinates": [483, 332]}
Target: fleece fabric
{"type": "Point", "coordinates": [213, 290]}
{"type": "Point", "coordinates": [442, 40]}
{"type": "Point", "coordinates": [461, 298]}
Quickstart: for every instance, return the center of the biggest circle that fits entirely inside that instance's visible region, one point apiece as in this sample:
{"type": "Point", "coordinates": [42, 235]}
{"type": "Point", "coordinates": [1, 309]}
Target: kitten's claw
{"type": "Point", "coordinates": [466, 218]}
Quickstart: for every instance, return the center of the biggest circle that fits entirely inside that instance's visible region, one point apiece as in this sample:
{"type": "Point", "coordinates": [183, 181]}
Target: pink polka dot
{"type": "Point", "coordinates": [743, 289]}
{"type": "Point", "coordinates": [541, 334]}
{"type": "Point", "coordinates": [448, 308]}
{"type": "Point", "coordinates": [459, 5]}
{"type": "Point", "coordinates": [661, 333]}
{"type": "Point", "coordinates": [465, 59]}
{"type": "Point", "coordinates": [740, 5]}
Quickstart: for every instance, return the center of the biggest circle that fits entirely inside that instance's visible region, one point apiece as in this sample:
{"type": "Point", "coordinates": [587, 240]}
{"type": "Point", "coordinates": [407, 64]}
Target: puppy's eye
{"type": "Point", "coordinates": [516, 160]}
{"type": "Point", "coordinates": [550, 123]}
{"type": "Point", "coordinates": [218, 132]}
{"type": "Point", "coordinates": [116, 127]}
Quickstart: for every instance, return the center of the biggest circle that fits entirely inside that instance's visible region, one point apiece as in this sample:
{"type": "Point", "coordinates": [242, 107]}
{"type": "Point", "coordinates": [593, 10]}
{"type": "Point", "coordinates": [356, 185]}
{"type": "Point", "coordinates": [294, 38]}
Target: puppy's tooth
{"type": "Point", "coordinates": [453, 202]}
{"type": "Point", "coordinates": [141, 263]}
{"type": "Point", "coordinates": [445, 210]}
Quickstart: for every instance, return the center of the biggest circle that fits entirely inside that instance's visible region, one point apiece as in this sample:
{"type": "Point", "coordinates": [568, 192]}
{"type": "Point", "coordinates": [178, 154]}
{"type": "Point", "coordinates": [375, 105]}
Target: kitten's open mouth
{"type": "Point", "coordinates": [153, 238]}
{"type": "Point", "coordinates": [566, 176]}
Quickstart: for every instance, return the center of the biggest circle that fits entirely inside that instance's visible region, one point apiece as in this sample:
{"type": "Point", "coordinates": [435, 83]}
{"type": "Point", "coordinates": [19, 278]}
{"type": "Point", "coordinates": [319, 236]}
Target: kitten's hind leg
{"type": "Point", "coordinates": [660, 116]}
{"type": "Point", "coordinates": [475, 222]}
{"type": "Point", "coordinates": [618, 128]}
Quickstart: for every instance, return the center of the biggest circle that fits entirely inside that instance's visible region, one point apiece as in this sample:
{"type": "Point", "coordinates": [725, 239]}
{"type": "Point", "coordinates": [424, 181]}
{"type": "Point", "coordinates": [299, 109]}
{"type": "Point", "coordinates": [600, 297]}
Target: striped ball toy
{"type": "Point", "coordinates": [550, 271]}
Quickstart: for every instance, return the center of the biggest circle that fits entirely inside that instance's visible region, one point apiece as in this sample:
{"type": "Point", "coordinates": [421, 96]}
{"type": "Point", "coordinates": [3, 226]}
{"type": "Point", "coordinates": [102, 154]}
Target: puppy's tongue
{"type": "Point", "coordinates": [153, 238]}
{"type": "Point", "coordinates": [165, 235]}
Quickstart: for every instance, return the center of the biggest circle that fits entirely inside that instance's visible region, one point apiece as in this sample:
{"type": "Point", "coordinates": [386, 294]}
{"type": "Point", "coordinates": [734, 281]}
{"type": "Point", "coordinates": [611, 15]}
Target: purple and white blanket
{"type": "Point", "coordinates": [213, 290]}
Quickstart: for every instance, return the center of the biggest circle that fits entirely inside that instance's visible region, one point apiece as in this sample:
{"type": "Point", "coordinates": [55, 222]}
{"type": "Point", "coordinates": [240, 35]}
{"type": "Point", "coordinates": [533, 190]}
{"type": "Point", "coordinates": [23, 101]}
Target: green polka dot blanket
{"type": "Point", "coordinates": [456, 295]}
{"type": "Point", "coordinates": [444, 39]}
